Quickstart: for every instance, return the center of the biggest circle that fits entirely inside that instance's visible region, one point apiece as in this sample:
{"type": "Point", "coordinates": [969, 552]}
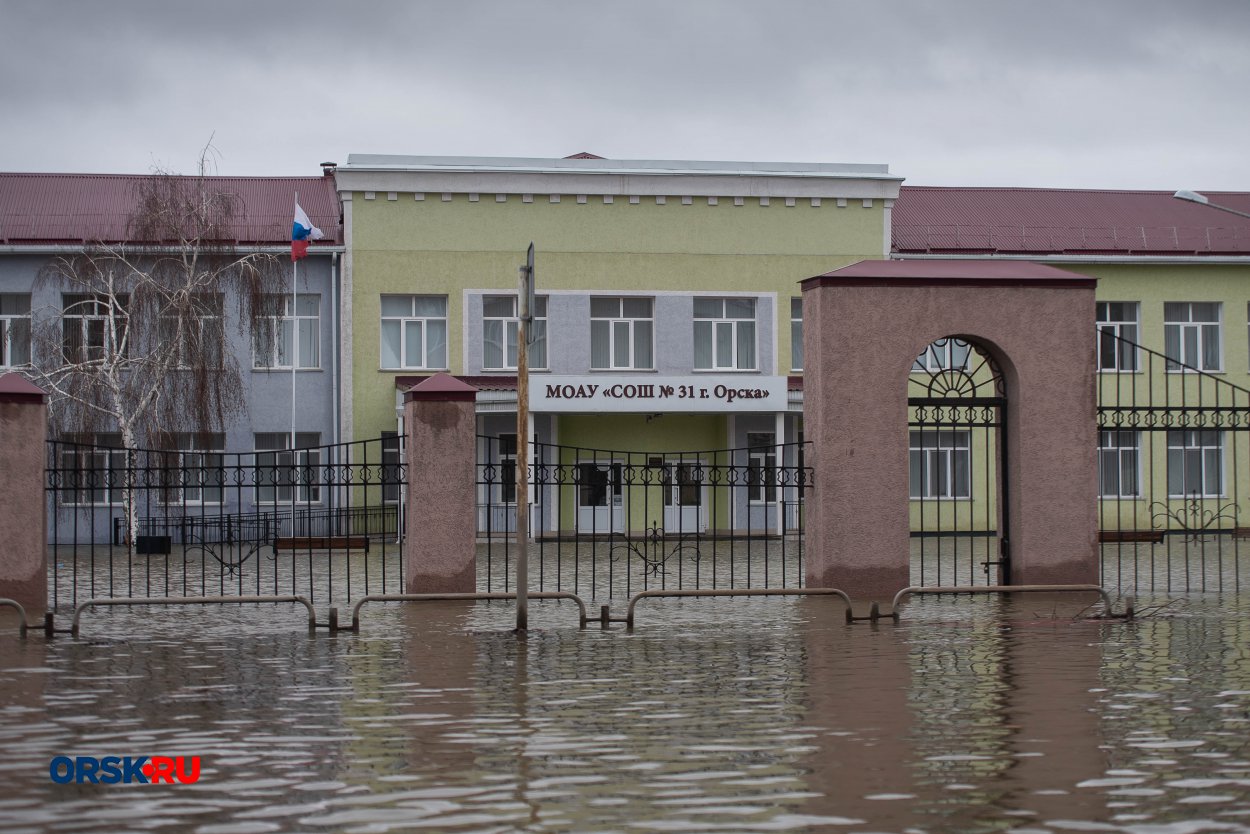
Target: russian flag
{"type": "Point", "coordinates": [302, 231]}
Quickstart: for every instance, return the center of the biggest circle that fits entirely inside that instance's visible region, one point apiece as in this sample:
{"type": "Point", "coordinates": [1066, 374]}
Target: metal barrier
{"type": "Point", "coordinates": [1009, 589]}
{"type": "Point", "coordinates": [129, 601]}
{"type": "Point", "coordinates": [12, 603]}
{"type": "Point", "coordinates": [741, 592]}
{"type": "Point", "coordinates": [442, 597]}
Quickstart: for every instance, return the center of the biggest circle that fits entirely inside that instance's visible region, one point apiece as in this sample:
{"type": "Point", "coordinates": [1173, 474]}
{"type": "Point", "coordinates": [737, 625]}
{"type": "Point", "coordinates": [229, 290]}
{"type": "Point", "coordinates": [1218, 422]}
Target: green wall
{"type": "Point", "coordinates": [436, 247]}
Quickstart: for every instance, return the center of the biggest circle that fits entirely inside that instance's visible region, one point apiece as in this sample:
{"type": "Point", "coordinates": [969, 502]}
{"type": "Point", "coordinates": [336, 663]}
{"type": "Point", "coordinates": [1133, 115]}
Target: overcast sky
{"type": "Point", "coordinates": [1062, 93]}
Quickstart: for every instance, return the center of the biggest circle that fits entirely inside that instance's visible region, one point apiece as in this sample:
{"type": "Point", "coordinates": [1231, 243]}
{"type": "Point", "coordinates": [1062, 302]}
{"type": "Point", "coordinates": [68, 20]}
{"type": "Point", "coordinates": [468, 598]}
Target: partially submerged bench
{"type": "Point", "coordinates": [1114, 536]}
{"type": "Point", "coordinates": [320, 543]}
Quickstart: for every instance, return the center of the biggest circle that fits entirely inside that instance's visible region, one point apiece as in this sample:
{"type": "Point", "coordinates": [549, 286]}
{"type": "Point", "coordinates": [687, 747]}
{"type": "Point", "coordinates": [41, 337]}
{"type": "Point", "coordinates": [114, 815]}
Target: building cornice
{"type": "Point", "coordinates": [612, 178]}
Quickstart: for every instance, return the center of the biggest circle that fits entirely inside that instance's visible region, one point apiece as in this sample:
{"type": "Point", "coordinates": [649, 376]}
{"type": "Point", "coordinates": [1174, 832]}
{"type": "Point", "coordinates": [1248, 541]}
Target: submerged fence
{"type": "Point", "coordinates": [606, 524]}
{"type": "Point", "coordinates": [327, 522]}
{"type": "Point", "coordinates": [1173, 467]}
{"type": "Point", "coordinates": [324, 522]}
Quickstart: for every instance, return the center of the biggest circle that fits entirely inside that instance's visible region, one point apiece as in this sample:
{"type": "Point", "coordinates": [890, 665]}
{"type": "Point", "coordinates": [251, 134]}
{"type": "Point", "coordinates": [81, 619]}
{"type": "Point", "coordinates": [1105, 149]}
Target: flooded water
{"type": "Point", "coordinates": [970, 715]}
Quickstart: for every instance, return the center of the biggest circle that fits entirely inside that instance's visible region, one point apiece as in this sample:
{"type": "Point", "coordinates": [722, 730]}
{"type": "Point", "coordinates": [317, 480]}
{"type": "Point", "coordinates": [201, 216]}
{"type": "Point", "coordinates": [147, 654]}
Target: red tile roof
{"type": "Point", "coordinates": [481, 383]}
{"type": "Point", "coordinates": [78, 208]}
{"type": "Point", "coordinates": [953, 271]}
{"type": "Point", "coordinates": [1041, 221]}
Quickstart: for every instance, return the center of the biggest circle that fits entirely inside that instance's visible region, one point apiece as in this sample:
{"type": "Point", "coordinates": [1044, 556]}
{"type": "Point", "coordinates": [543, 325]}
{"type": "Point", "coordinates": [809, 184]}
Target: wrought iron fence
{"type": "Point", "coordinates": [1172, 464]}
{"type": "Point", "coordinates": [606, 524]}
{"type": "Point", "coordinates": [325, 522]}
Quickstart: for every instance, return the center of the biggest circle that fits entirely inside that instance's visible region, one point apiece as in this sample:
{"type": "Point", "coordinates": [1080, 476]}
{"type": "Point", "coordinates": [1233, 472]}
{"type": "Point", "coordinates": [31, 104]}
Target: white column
{"type": "Point", "coordinates": [779, 437]}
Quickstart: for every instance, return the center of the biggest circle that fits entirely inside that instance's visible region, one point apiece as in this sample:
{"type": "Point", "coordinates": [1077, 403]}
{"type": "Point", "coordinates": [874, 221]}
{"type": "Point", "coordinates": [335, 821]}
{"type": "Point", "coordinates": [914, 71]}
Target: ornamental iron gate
{"type": "Point", "coordinates": [1172, 463]}
{"type": "Point", "coordinates": [607, 524]}
{"type": "Point", "coordinates": [957, 451]}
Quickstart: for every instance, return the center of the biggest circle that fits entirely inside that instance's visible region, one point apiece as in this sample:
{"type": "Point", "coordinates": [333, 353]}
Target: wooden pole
{"type": "Point", "coordinates": [522, 451]}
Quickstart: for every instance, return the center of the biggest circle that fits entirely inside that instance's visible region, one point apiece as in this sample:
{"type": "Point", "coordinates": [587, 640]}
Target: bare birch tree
{"type": "Point", "coordinates": [139, 344]}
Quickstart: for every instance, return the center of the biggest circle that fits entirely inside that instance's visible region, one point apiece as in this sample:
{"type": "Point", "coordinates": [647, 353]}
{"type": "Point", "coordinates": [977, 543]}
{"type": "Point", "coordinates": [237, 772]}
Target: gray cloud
{"type": "Point", "coordinates": [1118, 93]}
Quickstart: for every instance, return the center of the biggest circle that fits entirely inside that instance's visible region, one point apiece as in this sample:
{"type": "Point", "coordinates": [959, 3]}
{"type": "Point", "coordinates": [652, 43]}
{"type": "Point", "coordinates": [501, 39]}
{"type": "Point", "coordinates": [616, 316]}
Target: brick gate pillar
{"type": "Point", "coordinates": [23, 508]}
{"type": "Point", "coordinates": [440, 544]}
{"type": "Point", "coordinates": [863, 327]}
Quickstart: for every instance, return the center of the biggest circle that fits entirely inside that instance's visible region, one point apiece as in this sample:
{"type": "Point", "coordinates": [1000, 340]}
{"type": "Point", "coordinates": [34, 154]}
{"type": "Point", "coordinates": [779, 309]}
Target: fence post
{"type": "Point", "coordinates": [23, 506]}
{"type": "Point", "coordinates": [440, 544]}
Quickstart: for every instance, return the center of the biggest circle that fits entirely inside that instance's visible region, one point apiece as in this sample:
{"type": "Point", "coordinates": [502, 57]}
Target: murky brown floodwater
{"type": "Point", "coordinates": [715, 715]}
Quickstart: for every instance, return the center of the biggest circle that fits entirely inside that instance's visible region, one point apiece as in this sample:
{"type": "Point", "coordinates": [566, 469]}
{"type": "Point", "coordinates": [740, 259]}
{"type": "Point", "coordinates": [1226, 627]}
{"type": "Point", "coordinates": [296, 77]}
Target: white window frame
{"type": "Point", "coordinates": [426, 361]}
{"type": "Point", "coordinates": [1182, 446]}
{"type": "Point", "coordinates": [796, 333]}
{"type": "Point", "coordinates": [507, 325]}
{"type": "Point", "coordinates": [932, 457]}
{"type": "Point", "coordinates": [80, 312]}
{"type": "Point", "coordinates": [1120, 451]}
{"type": "Point", "coordinates": [1179, 331]}
{"type": "Point", "coordinates": [1112, 329]}
{"type": "Point", "coordinates": [268, 357]}
{"type": "Point", "coordinates": [505, 488]}
{"type": "Point", "coordinates": [90, 471]}
{"type": "Point", "coordinates": [762, 473]}
{"type": "Point", "coordinates": [937, 357]}
{"type": "Point", "coordinates": [709, 325]}
{"type": "Point", "coordinates": [11, 322]}
{"type": "Point", "coordinates": [279, 456]}
{"type": "Point", "coordinates": [197, 467]}
{"type": "Point", "coordinates": [678, 475]}
{"type": "Point", "coordinates": [208, 312]}
{"type": "Point", "coordinates": [630, 326]}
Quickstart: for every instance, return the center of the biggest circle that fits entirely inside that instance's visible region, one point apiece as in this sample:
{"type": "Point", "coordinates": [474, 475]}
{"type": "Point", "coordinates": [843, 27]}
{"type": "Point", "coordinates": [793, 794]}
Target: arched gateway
{"type": "Point", "coordinates": [1031, 323]}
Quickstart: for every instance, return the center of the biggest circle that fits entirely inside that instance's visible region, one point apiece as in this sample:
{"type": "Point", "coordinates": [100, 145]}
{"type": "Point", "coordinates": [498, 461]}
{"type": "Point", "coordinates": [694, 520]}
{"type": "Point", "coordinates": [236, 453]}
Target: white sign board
{"type": "Point", "coordinates": [650, 394]}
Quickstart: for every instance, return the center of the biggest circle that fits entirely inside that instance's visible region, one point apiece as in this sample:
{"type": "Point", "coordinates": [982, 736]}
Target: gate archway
{"type": "Point", "coordinates": [959, 514]}
{"type": "Point", "coordinates": [861, 326]}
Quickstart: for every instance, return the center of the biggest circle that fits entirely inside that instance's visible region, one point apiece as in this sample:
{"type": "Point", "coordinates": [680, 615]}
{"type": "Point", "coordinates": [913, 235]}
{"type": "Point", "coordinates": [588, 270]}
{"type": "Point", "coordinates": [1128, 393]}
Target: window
{"type": "Point", "coordinates": [1117, 326]}
{"type": "Point", "coordinates": [761, 467]}
{"type": "Point", "coordinates": [1195, 463]}
{"type": "Point", "coordinates": [14, 330]}
{"type": "Point", "coordinates": [796, 334]}
{"type": "Point", "coordinates": [507, 468]}
{"type": "Point", "coordinates": [724, 334]}
{"type": "Point", "coordinates": [621, 334]}
{"type": "Point", "coordinates": [93, 327]}
{"type": "Point", "coordinates": [93, 469]}
{"type": "Point", "coordinates": [286, 340]}
{"type": "Point", "coordinates": [414, 331]}
{"type": "Point", "coordinates": [284, 475]}
{"type": "Point", "coordinates": [940, 464]}
{"type": "Point", "coordinates": [682, 486]}
{"type": "Point", "coordinates": [193, 472]}
{"type": "Point", "coordinates": [392, 470]}
{"type": "Point", "coordinates": [200, 340]}
{"type": "Point", "coordinates": [499, 326]}
{"type": "Point", "coordinates": [943, 355]}
{"type": "Point", "coordinates": [1191, 335]}
{"type": "Point", "coordinates": [1119, 456]}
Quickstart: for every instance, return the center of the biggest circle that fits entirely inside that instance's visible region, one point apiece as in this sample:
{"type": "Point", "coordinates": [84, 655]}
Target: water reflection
{"type": "Point", "coordinates": [716, 715]}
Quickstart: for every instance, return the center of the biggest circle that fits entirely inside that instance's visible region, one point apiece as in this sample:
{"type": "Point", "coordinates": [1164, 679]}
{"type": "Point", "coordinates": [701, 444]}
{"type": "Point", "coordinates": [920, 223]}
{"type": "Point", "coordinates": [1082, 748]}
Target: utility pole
{"type": "Point", "coordinates": [525, 315]}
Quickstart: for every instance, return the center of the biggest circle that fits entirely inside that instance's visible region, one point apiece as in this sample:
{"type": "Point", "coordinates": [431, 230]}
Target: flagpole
{"type": "Point", "coordinates": [294, 338]}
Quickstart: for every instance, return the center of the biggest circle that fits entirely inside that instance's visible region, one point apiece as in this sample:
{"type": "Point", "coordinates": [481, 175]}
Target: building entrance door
{"type": "Point", "coordinates": [685, 510]}
{"type": "Point", "coordinates": [600, 498]}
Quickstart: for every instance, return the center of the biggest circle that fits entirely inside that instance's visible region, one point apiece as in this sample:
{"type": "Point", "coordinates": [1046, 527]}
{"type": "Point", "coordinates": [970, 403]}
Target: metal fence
{"type": "Point", "coordinates": [1172, 467]}
{"type": "Point", "coordinates": [606, 524]}
{"type": "Point", "coordinates": [324, 522]}
{"type": "Point", "coordinates": [957, 423]}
